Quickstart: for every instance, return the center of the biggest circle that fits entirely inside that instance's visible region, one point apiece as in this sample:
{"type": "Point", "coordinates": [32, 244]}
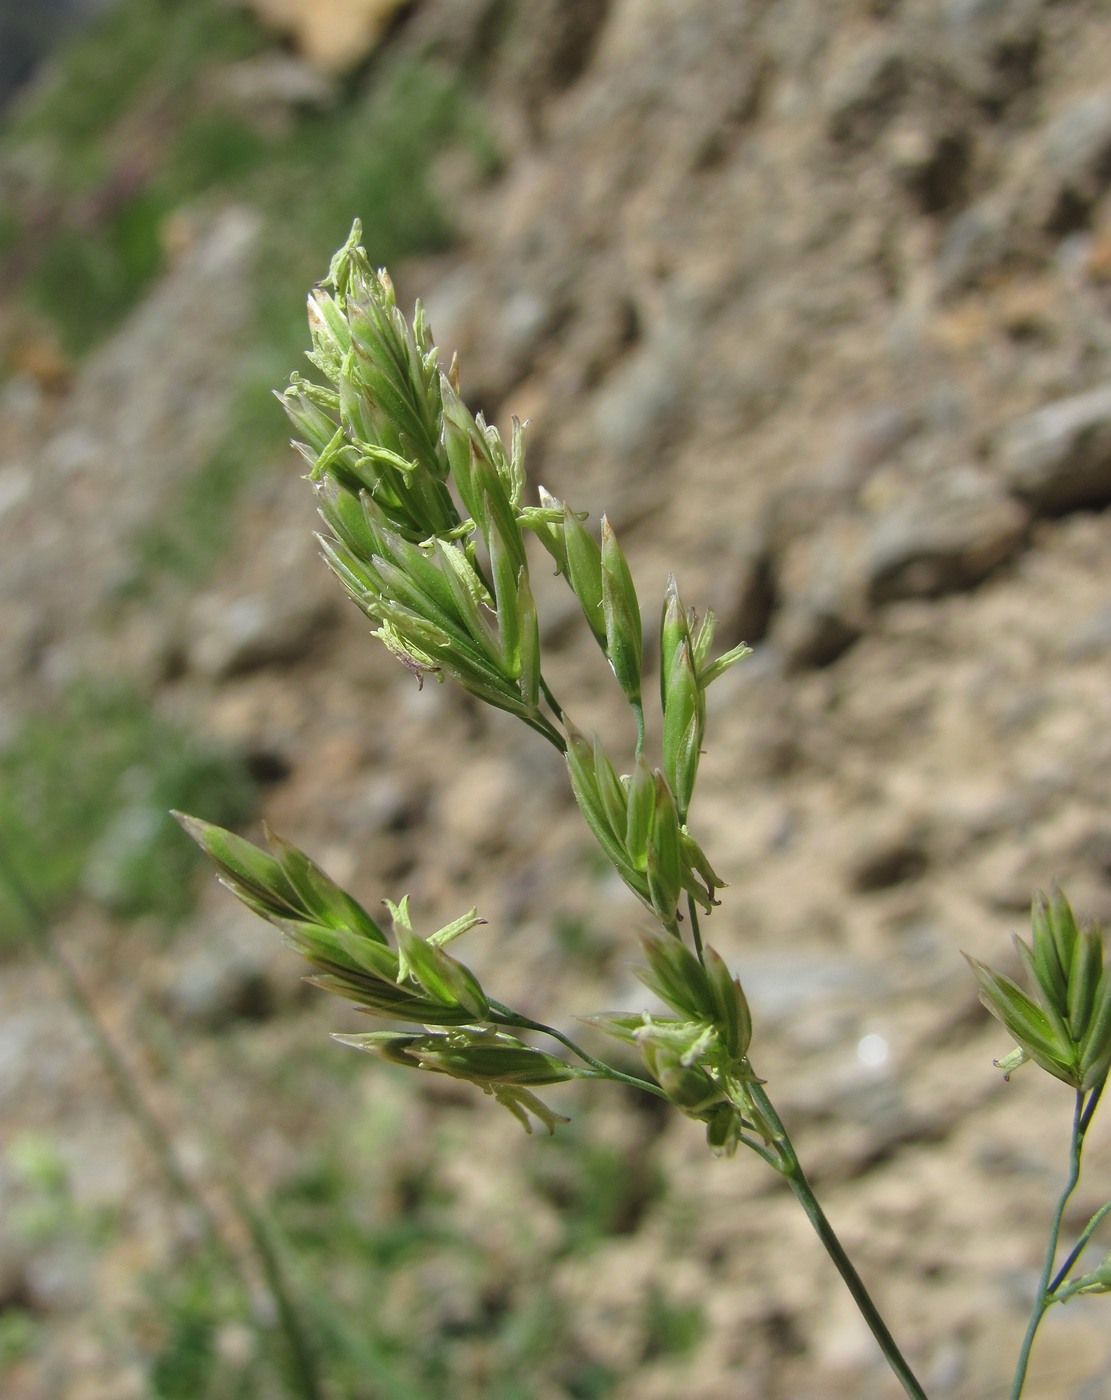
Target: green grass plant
{"type": "Point", "coordinates": [430, 530]}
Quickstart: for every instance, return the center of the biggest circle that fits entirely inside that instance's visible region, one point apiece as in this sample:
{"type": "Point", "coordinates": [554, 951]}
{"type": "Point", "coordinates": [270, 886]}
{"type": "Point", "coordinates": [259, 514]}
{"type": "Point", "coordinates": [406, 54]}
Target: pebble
{"type": "Point", "coordinates": [1058, 458]}
{"type": "Point", "coordinates": [946, 535]}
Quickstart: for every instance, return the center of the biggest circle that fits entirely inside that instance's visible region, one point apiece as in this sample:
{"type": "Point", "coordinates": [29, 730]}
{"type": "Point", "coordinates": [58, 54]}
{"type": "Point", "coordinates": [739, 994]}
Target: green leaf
{"type": "Point", "coordinates": [1026, 1021]}
{"type": "Point", "coordinates": [584, 572]}
{"type": "Point", "coordinates": [520, 1102]}
{"type": "Point", "coordinates": [641, 806]}
{"type": "Point", "coordinates": [391, 1001]}
{"type": "Point", "coordinates": [1095, 1055]}
{"type": "Point", "coordinates": [1084, 980]}
{"type": "Point", "coordinates": [530, 643]}
{"type": "Point", "coordinates": [621, 1025]}
{"type": "Point", "coordinates": [689, 1087]}
{"type": "Point", "coordinates": [1050, 974]}
{"type": "Point", "coordinates": [505, 569]}
{"type": "Point", "coordinates": [674, 632]}
{"type": "Point", "coordinates": [1057, 1016]}
{"type": "Point", "coordinates": [677, 978]}
{"type": "Point", "coordinates": [248, 868]}
{"type": "Point", "coordinates": [320, 896]}
{"type": "Point", "coordinates": [580, 758]}
{"type": "Point", "coordinates": [1062, 924]}
{"type": "Point", "coordinates": [450, 932]}
{"type": "Point", "coordinates": [615, 799]}
{"type": "Point", "coordinates": [696, 869]}
{"type": "Point", "coordinates": [621, 613]}
{"type": "Point", "coordinates": [733, 1018]}
{"type": "Point", "coordinates": [684, 729]}
{"type": "Point", "coordinates": [665, 867]}
{"type": "Point", "coordinates": [546, 523]}
{"type": "Point", "coordinates": [728, 659]}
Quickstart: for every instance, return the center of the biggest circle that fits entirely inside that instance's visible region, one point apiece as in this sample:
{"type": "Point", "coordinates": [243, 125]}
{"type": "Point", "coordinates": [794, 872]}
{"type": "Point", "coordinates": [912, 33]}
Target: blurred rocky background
{"type": "Point", "coordinates": [814, 297]}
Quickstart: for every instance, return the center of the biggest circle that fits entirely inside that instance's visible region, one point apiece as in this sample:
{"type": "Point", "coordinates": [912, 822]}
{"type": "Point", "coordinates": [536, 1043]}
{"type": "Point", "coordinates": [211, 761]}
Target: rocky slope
{"type": "Point", "coordinates": [814, 300]}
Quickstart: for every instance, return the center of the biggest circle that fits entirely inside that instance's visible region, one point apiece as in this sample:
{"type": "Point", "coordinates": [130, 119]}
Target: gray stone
{"type": "Point", "coordinates": [636, 404]}
{"type": "Point", "coordinates": [783, 986]}
{"type": "Point", "coordinates": [279, 80]}
{"type": "Point", "coordinates": [977, 242]}
{"type": "Point", "coordinates": [217, 985]}
{"type": "Point", "coordinates": [934, 165]}
{"type": "Point", "coordinates": [992, 47]}
{"type": "Point", "coordinates": [1078, 154]}
{"type": "Point", "coordinates": [943, 535]}
{"type": "Point", "coordinates": [753, 592]}
{"type": "Point", "coordinates": [867, 92]}
{"type": "Point", "coordinates": [1059, 457]}
{"type": "Point", "coordinates": [823, 608]}
{"type": "Point", "coordinates": [255, 631]}
{"type": "Point", "coordinates": [867, 438]}
{"type": "Point", "coordinates": [886, 860]}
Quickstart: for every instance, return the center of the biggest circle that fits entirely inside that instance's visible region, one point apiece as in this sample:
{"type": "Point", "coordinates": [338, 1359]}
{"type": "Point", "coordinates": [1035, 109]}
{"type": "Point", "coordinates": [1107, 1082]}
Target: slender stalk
{"type": "Point", "coordinates": [546, 691]}
{"type": "Point", "coordinates": [791, 1168]}
{"type": "Point", "coordinates": [1086, 1234]}
{"type": "Point", "coordinates": [785, 1159]}
{"type": "Point", "coordinates": [638, 712]}
{"type": "Point", "coordinates": [546, 730]}
{"type": "Point", "coordinates": [506, 1016]}
{"type": "Point", "coordinates": [696, 931]}
{"type": "Point", "coordinates": [1043, 1299]}
{"type": "Point", "coordinates": [302, 1356]}
{"type": "Point", "coordinates": [1093, 1104]}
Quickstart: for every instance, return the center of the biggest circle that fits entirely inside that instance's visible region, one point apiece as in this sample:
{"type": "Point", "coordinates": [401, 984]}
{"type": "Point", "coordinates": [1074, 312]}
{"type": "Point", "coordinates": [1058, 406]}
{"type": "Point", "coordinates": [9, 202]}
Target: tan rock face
{"type": "Point", "coordinates": [790, 292]}
{"type": "Point", "coordinates": [333, 34]}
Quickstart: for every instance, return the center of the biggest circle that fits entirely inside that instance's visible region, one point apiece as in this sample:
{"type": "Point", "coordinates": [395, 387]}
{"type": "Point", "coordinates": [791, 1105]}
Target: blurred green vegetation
{"type": "Point", "coordinates": [402, 1295]}
{"type": "Point", "coordinates": [101, 135]}
{"type": "Point", "coordinates": [134, 124]}
{"type": "Point", "coordinates": [139, 122]}
{"type": "Point", "coordinates": [85, 793]}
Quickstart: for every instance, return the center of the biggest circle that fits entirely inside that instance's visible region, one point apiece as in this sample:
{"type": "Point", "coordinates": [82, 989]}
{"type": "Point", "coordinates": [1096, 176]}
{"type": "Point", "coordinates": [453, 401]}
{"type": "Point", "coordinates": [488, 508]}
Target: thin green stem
{"type": "Point", "coordinates": [546, 691]}
{"type": "Point", "coordinates": [791, 1168]}
{"type": "Point", "coordinates": [1042, 1298]}
{"type": "Point", "coordinates": [696, 931]}
{"type": "Point", "coordinates": [546, 730]}
{"type": "Point", "coordinates": [761, 1150]}
{"type": "Point", "coordinates": [506, 1016]}
{"type": "Point", "coordinates": [1093, 1104]}
{"type": "Point", "coordinates": [1085, 1235]}
{"type": "Point", "coordinates": [302, 1356]}
{"type": "Point", "coordinates": [638, 712]}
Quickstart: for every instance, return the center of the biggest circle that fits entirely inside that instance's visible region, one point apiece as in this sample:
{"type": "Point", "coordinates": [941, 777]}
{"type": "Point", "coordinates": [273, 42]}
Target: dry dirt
{"type": "Point", "coordinates": [814, 300]}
